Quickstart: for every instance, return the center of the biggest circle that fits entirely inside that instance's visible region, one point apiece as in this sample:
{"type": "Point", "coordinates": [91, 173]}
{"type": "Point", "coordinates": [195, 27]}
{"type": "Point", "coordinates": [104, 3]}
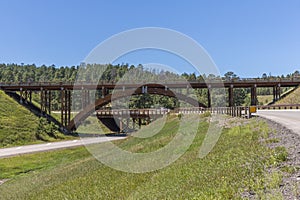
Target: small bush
{"type": "Point", "coordinates": [46, 130]}
{"type": "Point", "coordinates": [206, 114]}
{"type": "Point", "coordinates": [179, 116]}
{"type": "Point", "coordinates": [281, 154]}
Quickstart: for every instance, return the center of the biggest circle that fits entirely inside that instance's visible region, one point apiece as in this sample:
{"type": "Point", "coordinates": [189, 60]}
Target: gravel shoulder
{"type": "Point", "coordinates": [290, 187]}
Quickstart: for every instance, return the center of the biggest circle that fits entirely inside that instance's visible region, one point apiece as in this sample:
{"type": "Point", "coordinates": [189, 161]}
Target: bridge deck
{"type": "Point", "coordinates": [239, 83]}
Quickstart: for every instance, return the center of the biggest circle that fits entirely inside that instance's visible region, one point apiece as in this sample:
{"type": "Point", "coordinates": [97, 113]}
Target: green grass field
{"type": "Point", "coordinates": [16, 123]}
{"type": "Point", "coordinates": [238, 164]}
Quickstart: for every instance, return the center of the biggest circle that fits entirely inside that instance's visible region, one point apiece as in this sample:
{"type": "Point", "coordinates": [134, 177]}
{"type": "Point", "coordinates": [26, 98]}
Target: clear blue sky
{"type": "Point", "coordinates": [248, 37]}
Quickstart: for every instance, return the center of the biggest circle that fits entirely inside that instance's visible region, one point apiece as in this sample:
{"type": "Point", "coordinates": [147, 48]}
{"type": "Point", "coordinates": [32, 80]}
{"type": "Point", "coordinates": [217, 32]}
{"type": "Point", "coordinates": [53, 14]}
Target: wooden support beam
{"type": "Point", "coordinates": [278, 91]}
{"type": "Point", "coordinates": [208, 97]}
{"type": "Point", "coordinates": [69, 107]}
{"type": "Point", "coordinates": [274, 93]}
{"type": "Point", "coordinates": [42, 97]}
{"type": "Point", "coordinates": [49, 101]}
{"type": "Point", "coordinates": [253, 95]}
{"type": "Point", "coordinates": [230, 96]}
{"type": "Point", "coordinates": [62, 105]}
{"type": "Point", "coordinates": [66, 108]}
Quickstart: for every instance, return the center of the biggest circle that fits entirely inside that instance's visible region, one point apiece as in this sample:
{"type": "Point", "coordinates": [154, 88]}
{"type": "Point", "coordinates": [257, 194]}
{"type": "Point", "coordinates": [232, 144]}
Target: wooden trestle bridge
{"type": "Point", "coordinates": [25, 90]}
{"type": "Point", "coordinates": [124, 116]}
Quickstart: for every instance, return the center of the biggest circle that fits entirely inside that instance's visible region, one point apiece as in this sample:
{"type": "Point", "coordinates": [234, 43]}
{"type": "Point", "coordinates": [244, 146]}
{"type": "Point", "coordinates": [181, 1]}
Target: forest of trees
{"type": "Point", "coordinates": [33, 73]}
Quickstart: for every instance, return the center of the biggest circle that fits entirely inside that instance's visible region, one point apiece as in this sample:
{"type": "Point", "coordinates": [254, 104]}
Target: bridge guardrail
{"type": "Point", "coordinates": [279, 107]}
{"type": "Point", "coordinates": [238, 111]}
{"type": "Point", "coordinates": [132, 112]}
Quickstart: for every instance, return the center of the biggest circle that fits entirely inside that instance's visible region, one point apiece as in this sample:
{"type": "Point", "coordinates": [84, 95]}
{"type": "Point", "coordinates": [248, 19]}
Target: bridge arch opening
{"type": "Point", "coordinates": [89, 109]}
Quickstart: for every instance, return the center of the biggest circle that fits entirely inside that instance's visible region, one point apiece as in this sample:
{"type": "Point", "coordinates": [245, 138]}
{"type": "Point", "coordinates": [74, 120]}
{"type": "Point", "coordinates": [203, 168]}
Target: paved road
{"type": "Point", "coordinates": [7, 152]}
{"type": "Point", "coordinates": [288, 118]}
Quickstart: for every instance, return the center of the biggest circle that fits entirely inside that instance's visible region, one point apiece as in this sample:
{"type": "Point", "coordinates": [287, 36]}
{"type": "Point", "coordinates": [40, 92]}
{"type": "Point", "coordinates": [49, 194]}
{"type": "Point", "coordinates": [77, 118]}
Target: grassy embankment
{"type": "Point", "coordinates": [238, 164]}
{"type": "Point", "coordinates": [264, 99]}
{"type": "Point", "coordinates": [293, 98]}
{"type": "Point", "coordinates": [17, 124]}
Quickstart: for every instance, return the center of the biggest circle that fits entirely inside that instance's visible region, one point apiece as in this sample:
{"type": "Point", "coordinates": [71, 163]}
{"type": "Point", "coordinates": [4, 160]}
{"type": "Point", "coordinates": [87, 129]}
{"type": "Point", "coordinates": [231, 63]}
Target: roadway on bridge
{"type": "Point", "coordinates": [13, 151]}
{"type": "Point", "coordinates": [288, 118]}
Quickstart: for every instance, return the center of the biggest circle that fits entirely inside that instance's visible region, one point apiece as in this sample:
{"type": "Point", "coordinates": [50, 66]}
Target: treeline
{"type": "Point", "coordinates": [95, 72]}
{"type": "Point", "coordinates": [88, 73]}
{"type": "Point", "coordinates": [32, 73]}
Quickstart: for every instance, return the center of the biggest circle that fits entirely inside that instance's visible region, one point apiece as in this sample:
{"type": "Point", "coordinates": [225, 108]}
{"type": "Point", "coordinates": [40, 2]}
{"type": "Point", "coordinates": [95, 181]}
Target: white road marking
{"type": "Point", "coordinates": [7, 152]}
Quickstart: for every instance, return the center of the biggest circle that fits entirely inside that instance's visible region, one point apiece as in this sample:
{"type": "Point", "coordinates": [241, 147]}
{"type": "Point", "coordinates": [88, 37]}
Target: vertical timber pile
{"type": "Point", "coordinates": [208, 96]}
{"type": "Point", "coordinates": [25, 95]}
{"type": "Point", "coordinates": [65, 107]}
{"type": "Point", "coordinates": [230, 96]}
{"type": "Point", "coordinates": [45, 101]}
{"type": "Point", "coordinates": [253, 95]}
{"type": "Point", "coordinates": [276, 92]}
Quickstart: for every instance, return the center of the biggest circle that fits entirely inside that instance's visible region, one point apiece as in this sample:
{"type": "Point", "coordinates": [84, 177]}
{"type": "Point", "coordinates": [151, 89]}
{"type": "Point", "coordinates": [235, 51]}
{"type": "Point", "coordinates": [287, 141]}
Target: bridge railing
{"type": "Point", "coordinates": [238, 111]}
{"type": "Point", "coordinates": [132, 112]}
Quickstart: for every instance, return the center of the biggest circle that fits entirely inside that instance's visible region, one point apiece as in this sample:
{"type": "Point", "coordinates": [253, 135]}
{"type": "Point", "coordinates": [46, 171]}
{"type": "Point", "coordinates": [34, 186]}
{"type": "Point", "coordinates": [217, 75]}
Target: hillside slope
{"type": "Point", "coordinates": [17, 124]}
{"type": "Point", "coordinates": [235, 168]}
{"type": "Point", "coordinates": [293, 98]}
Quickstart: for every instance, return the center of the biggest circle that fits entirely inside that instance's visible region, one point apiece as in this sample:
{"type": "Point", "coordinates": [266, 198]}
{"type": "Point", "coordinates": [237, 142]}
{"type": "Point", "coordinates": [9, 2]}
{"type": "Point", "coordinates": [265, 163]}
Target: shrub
{"type": "Point", "coordinates": [46, 130]}
{"type": "Point", "coordinates": [206, 114]}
